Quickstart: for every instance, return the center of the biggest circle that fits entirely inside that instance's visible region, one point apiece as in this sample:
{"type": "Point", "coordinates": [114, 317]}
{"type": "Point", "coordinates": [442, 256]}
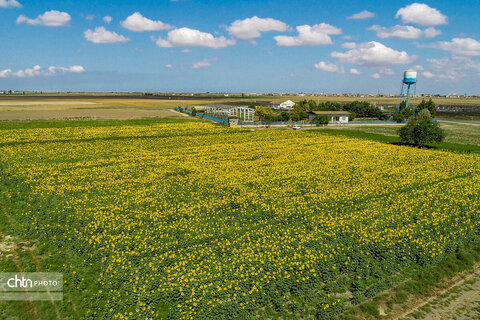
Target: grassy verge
{"type": "Point", "coordinates": [445, 146]}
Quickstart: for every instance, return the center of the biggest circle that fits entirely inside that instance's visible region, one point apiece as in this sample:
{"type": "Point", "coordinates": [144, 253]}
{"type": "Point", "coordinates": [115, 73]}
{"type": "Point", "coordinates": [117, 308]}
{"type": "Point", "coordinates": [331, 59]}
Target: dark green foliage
{"type": "Point", "coordinates": [300, 115]}
{"type": "Point", "coordinates": [322, 119]}
{"type": "Point", "coordinates": [283, 116]}
{"type": "Point", "coordinates": [329, 106]}
{"type": "Point", "coordinates": [363, 109]}
{"type": "Point", "coordinates": [429, 105]}
{"type": "Point", "coordinates": [398, 117]}
{"type": "Point", "coordinates": [194, 111]}
{"type": "Point", "coordinates": [421, 132]}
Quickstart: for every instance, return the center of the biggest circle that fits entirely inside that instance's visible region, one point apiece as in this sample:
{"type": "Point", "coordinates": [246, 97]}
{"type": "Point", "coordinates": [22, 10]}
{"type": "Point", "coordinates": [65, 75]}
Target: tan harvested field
{"type": "Point", "coordinates": [91, 109]}
{"type": "Point", "coordinates": [382, 101]}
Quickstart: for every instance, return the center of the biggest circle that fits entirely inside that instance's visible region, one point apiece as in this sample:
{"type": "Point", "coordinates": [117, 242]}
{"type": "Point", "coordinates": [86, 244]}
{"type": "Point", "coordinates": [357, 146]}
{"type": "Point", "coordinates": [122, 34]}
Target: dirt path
{"type": "Point", "coordinates": [459, 301]}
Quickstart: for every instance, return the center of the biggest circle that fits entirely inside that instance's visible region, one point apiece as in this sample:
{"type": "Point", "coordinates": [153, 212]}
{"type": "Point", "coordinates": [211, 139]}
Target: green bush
{"type": "Point", "coordinates": [421, 132]}
{"type": "Point", "coordinates": [322, 119]}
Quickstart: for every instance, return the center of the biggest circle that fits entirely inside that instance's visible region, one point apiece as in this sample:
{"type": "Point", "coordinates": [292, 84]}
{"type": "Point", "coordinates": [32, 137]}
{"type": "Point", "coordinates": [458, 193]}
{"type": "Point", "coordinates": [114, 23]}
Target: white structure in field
{"type": "Point", "coordinates": [225, 111]}
{"type": "Point", "coordinates": [335, 117]}
{"type": "Point", "coordinates": [287, 105]}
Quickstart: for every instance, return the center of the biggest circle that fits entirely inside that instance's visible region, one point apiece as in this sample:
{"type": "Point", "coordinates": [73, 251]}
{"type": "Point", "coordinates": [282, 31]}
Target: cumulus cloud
{"type": "Point", "coordinates": [355, 71]}
{"type": "Point", "coordinates": [185, 37]}
{"type": "Point", "coordinates": [422, 15]}
{"type": "Point", "coordinates": [386, 71]}
{"type": "Point", "coordinates": [428, 74]}
{"type": "Point", "coordinates": [362, 15]}
{"type": "Point", "coordinates": [201, 64]}
{"type": "Point", "coordinates": [373, 54]}
{"type": "Point", "coordinates": [5, 73]}
{"type": "Point", "coordinates": [431, 32]}
{"type": "Point", "coordinates": [318, 34]}
{"type": "Point", "coordinates": [102, 35]}
{"type": "Point", "coordinates": [328, 67]}
{"type": "Point", "coordinates": [107, 19]}
{"type": "Point", "coordinates": [38, 71]}
{"type": "Point", "coordinates": [90, 17]}
{"type": "Point", "coordinates": [376, 76]}
{"type": "Point", "coordinates": [51, 18]}
{"type": "Point", "coordinates": [454, 68]}
{"type": "Point", "coordinates": [251, 28]}
{"type": "Point", "coordinates": [404, 32]}
{"type": "Point", "coordinates": [168, 66]}
{"type": "Point", "coordinates": [138, 23]}
{"type": "Point", "coordinates": [464, 47]}
{"type": "Point", "coordinates": [10, 4]}
{"type": "Point", "coordinates": [349, 45]}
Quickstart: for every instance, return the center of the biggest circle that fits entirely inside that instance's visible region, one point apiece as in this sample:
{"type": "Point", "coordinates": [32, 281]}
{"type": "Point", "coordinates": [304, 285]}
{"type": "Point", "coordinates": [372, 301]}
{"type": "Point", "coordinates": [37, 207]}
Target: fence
{"type": "Point", "coordinates": [202, 115]}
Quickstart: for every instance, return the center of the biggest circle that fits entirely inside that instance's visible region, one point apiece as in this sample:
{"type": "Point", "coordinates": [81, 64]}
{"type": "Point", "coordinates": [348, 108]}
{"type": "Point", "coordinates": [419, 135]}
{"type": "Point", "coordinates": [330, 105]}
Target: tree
{"type": "Point", "coordinates": [363, 109]}
{"type": "Point", "coordinates": [429, 105]}
{"type": "Point", "coordinates": [421, 132]}
{"type": "Point", "coordinates": [264, 113]}
{"type": "Point", "coordinates": [194, 111]}
{"type": "Point", "coordinates": [322, 119]}
{"type": "Point", "coordinates": [283, 116]}
{"type": "Point", "coordinates": [424, 114]}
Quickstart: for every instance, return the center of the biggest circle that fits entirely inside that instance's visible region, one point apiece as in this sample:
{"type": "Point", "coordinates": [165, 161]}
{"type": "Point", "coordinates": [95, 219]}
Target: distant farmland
{"type": "Point", "coordinates": [185, 219]}
{"type": "Point", "coordinates": [136, 106]}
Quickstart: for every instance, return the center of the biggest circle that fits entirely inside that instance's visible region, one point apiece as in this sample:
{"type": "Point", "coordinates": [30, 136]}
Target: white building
{"type": "Point", "coordinates": [287, 105]}
{"type": "Point", "coordinates": [335, 117]}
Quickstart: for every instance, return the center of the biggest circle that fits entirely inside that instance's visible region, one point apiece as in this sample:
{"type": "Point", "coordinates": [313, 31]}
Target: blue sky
{"type": "Point", "coordinates": [239, 46]}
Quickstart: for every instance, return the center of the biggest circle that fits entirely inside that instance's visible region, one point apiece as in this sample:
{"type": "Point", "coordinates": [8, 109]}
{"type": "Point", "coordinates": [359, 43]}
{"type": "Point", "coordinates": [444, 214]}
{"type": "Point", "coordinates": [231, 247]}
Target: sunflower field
{"type": "Point", "coordinates": [191, 220]}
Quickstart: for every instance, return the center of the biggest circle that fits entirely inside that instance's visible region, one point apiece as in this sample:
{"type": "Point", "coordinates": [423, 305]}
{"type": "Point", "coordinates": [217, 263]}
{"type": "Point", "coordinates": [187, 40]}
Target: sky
{"type": "Point", "coordinates": [239, 46]}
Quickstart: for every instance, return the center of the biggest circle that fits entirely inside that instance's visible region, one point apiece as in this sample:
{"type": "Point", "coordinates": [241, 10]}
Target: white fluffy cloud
{"type": "Point", "coordinates": [355, 71]}
{"type": "Point", "coordinates": [463, 47]}
{"type": "Point", "coordinates": [51, 18]}
{"type": "Point", "coordinates": [251, 28]}
{"type": "Point", "coordinates": [422, 15]}
{"type": "Point", "coordinates": [102, 35]}
{"type": "Point", "coordinates": [201, 64]}
{"type": "Point", "coordinates": [376, 76]}
{"type": "Point", "coordinates": [38, 71]}
{"type": "Point", "coordinates": [168, 66]}
{"type": "Point", "coordinates": [454, 68]}
{"type": "Point", "coordinates": [349, 45]}
{"type": "Point", "coordinates": [10, 4]}
{"type": "Point", "coordinates": [428, 74]}
{"type": "Point", "coordinates": [431, 32]}
{"type": "Point", "coordinates": [328, 67]}
{"type": "Point", "coordinates": [404, 32]}
{"type": "Point", "coordinates": [138, 23]}
{"type": "Point", "coordinates": [107, 19]}
{"type": "Point", "coordinates": [373, 54]}
{"type": "Point", "coordinates": [362, 15]}
{"type": "Point", "coordinates": [318, 34]}
{"type": "Point", "coordinates": [185, 37]}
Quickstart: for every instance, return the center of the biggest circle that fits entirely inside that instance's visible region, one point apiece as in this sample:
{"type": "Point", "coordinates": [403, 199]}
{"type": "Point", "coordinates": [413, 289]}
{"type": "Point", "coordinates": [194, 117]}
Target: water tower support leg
{"type": "Point", "coordinates": [408, 94]}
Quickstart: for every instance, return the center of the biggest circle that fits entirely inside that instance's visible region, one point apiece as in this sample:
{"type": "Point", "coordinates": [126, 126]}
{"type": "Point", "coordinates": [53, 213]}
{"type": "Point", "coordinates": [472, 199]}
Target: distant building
{"type": "Point", "coordinates": [287, 105]}
{"type": "Point", "coordinates": [334, 116]}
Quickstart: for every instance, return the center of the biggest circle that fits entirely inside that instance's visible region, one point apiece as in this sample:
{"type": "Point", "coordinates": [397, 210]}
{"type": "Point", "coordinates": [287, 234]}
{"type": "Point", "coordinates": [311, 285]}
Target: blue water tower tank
{"type": "Point", "coordinates": [410, 76]}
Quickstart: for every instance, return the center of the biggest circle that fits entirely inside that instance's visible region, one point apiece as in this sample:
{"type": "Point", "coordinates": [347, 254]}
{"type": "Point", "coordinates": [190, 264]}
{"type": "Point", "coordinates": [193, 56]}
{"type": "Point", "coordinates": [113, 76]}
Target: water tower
{"type": "Point", "coordinates": [409, 80]}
